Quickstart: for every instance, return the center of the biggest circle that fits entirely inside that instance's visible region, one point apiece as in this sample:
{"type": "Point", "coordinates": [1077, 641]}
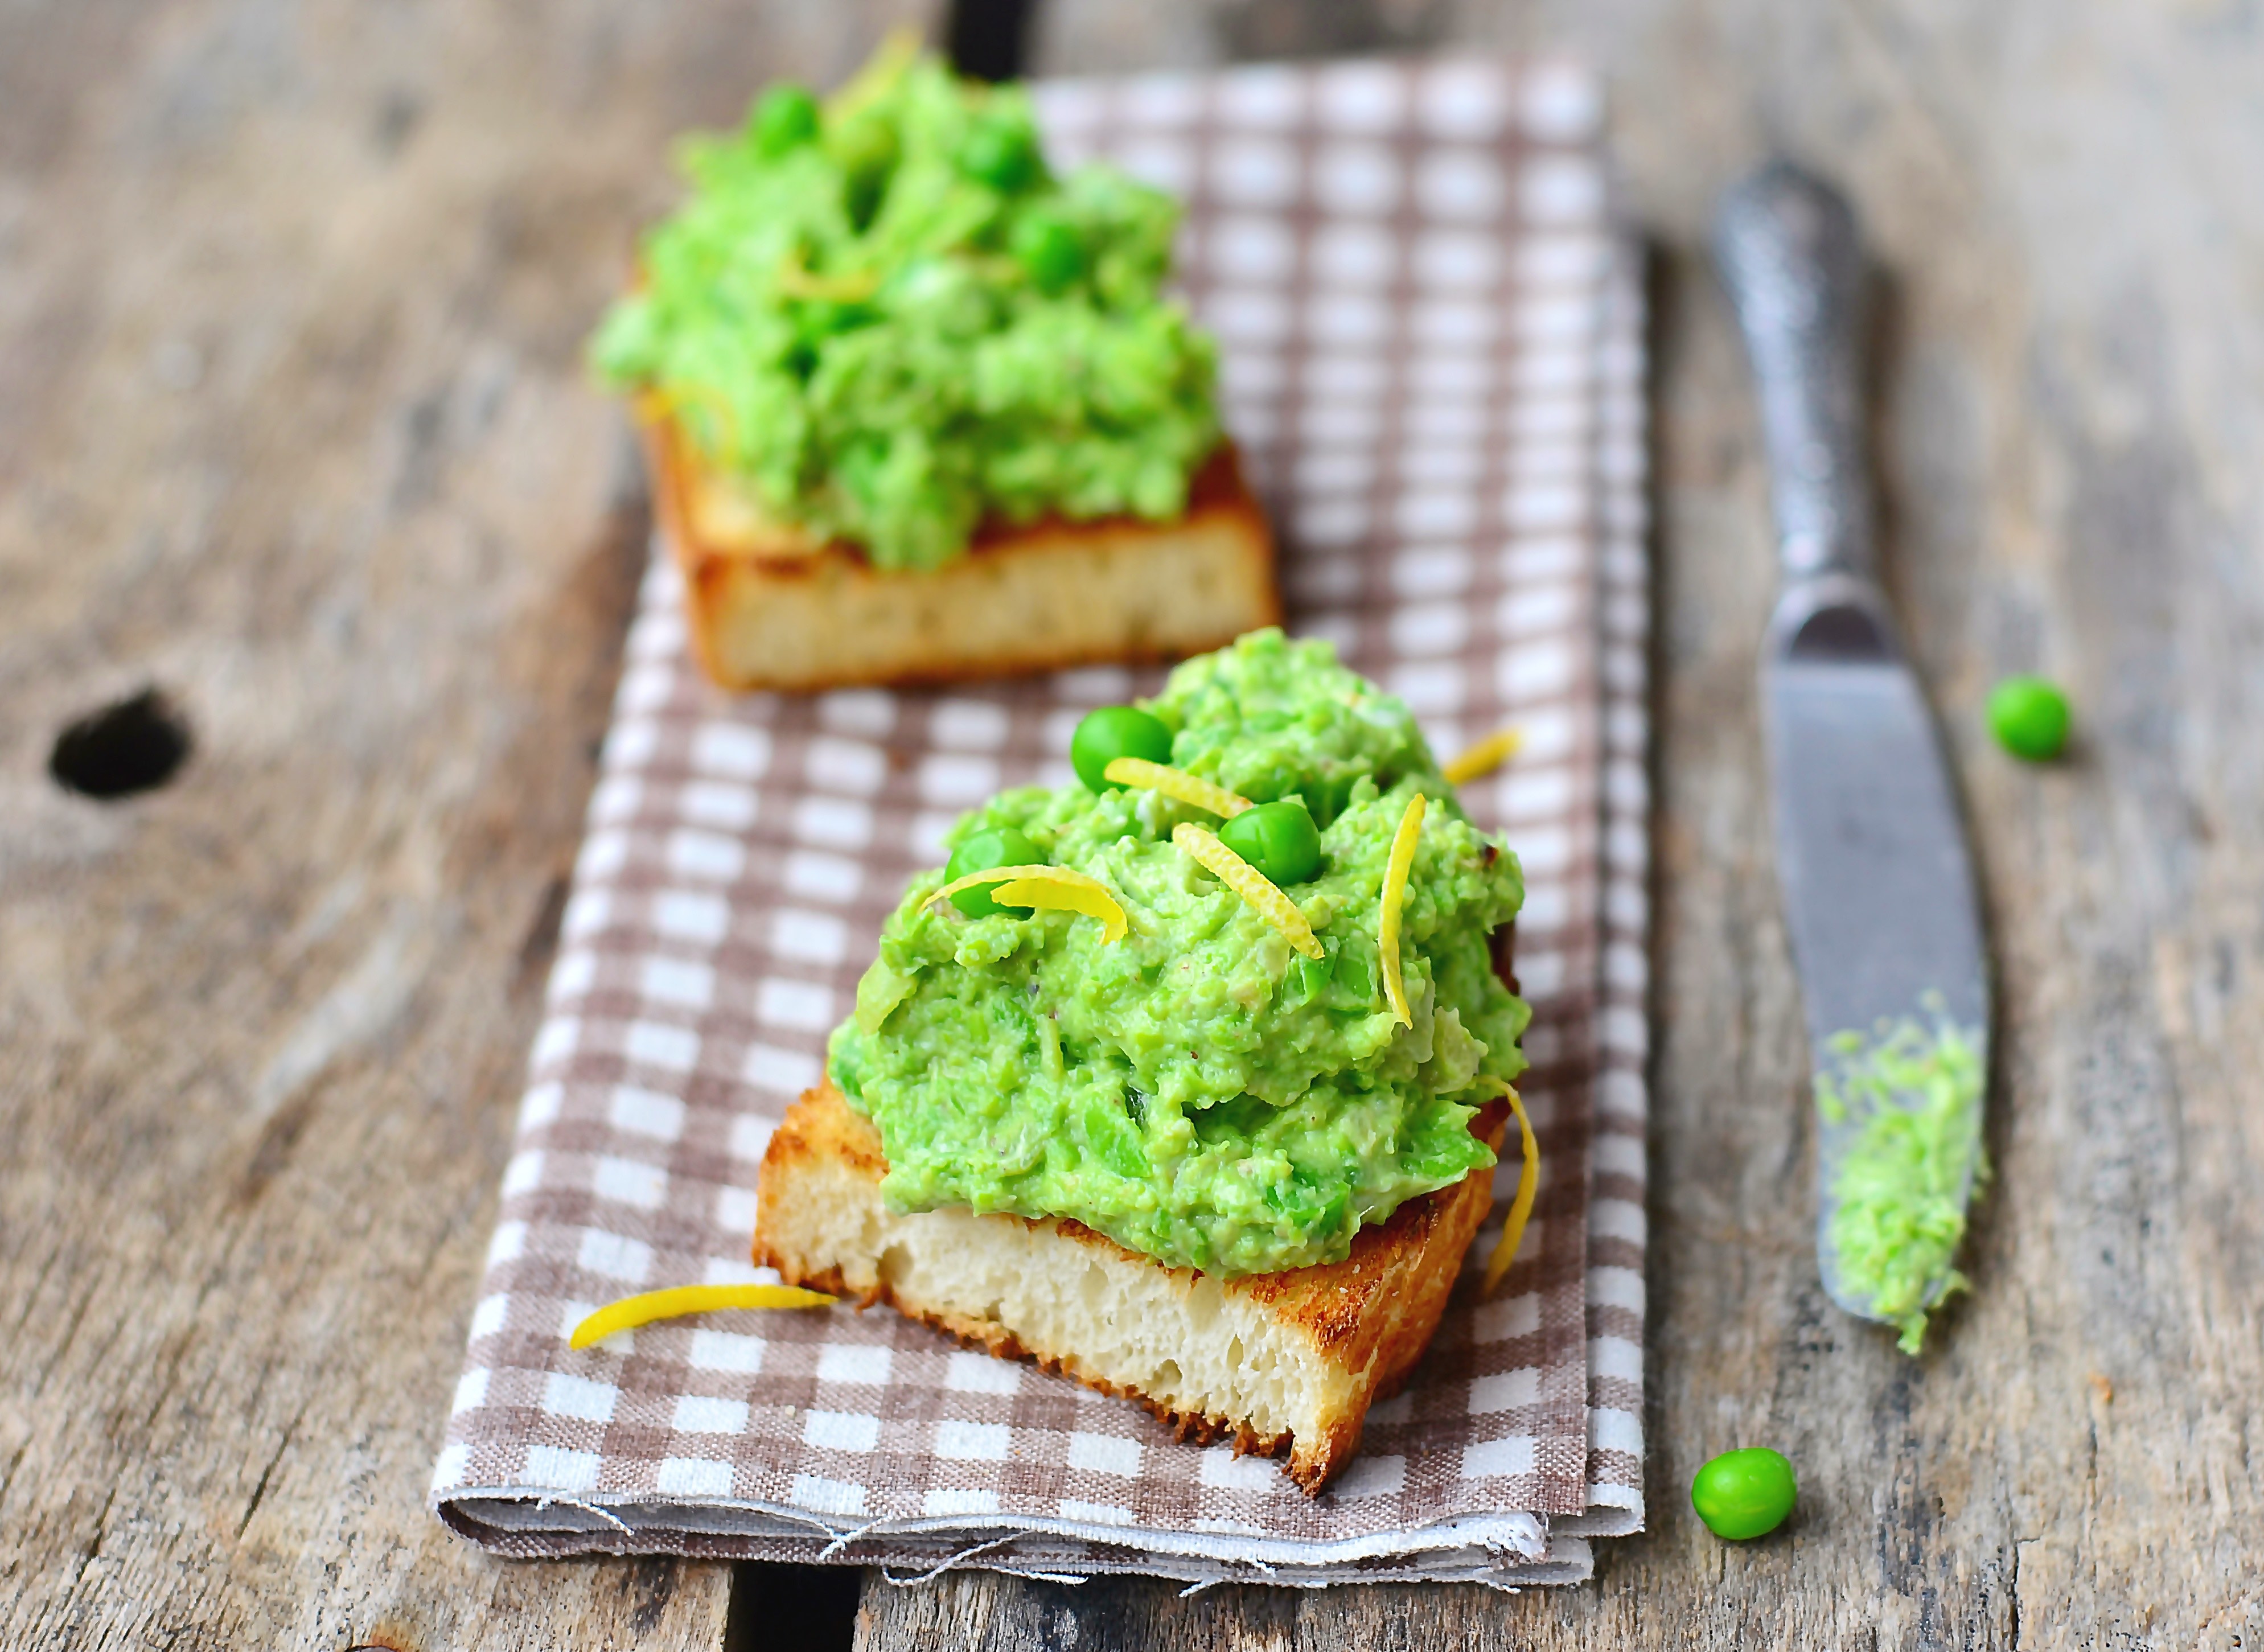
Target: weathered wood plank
{"type": "Point", "coordinates": [2070, 200]}
{"type": "Point", "coordinates": [292, 424]}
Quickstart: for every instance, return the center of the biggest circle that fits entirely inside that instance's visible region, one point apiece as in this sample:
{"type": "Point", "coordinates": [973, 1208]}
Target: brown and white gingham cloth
{"type": "Point", "coordinates": [1431, 345]}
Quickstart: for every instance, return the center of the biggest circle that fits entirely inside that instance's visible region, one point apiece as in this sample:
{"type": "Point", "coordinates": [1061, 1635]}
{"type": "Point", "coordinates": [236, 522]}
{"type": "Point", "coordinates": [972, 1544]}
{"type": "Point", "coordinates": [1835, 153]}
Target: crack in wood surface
{"type": "Point", "coordinates": [1973, 1498]}
{"type": "Point", "coordinates": [310, 446]}
{"type": "Point", "coordinates": [267, 1473]}
{"type": "Point", "coordinates": [331, 474]}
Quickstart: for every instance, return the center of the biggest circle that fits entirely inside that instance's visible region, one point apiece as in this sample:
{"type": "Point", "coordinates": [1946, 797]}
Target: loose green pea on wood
{"type": "Point", "coordinates": [1743, 1494]}
{"type": "Point", "coordinates": [1002, 846]}
{"type": "Point", "coordinates": [2029, 717]}
{"type": "Point", "coordinates": [1114, 732]}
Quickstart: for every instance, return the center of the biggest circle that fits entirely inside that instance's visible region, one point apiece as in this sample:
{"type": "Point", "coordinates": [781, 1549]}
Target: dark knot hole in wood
{"type": "Point", "coordinates": [135, 744]}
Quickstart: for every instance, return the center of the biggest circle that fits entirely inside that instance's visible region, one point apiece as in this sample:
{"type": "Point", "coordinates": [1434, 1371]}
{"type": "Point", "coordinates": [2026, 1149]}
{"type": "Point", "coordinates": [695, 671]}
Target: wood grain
{"type": "Point", "coordinates": [292, 424]}
{"type": "Point", "coordinates": [2069, 203]}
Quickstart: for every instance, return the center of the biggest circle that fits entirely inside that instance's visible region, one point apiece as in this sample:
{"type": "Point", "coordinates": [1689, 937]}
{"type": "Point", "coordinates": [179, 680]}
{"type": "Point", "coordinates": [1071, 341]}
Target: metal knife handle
{"type": "Point", "coordinates": [1788, 252]}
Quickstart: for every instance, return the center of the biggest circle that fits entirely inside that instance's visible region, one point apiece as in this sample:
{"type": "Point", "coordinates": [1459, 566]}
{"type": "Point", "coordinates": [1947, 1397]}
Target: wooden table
{"type": "Point", "coordinates": [293, 425]}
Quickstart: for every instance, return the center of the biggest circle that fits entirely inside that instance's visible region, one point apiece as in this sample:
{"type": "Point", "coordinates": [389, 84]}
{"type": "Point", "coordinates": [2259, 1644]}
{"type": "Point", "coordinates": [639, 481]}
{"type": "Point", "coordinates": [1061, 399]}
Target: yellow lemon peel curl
{"type": "Point", "coordinates": [1176, 784]}
{"type": "Point", "coordinates": [1256, 889]}
{"type": "Point", "coordinates": [670, 405]}
{"type": "Point", "coordinates": [1485, 757]}
{"type": "Point", "coordinates": [1394, 893]}
{"type": "Point", "coordinates": [1521, 1207]}
{"type": "Point", "coordinates": [898, 50]}
{"type": "Point", "coordinates": [1054, 888]}
{"type": "Point", "coordinates": [673, 1303]}
{"type": "Point", "coordinates": [797, 279]}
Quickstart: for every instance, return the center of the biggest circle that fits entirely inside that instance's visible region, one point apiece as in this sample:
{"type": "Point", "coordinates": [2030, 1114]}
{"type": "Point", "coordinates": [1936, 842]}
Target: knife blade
{"type": "Point", "coordinates": [1878, 888]}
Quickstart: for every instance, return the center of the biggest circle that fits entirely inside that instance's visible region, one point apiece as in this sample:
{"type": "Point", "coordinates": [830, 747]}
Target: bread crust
{"type": "Point", "coordinates": [768, 607]}
{"type": "Point", "coordinates": [1359, 1325]}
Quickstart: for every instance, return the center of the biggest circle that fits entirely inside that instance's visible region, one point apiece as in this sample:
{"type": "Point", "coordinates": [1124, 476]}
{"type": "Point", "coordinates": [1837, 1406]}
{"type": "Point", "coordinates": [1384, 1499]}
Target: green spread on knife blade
{"type": "Point", "coordinates": [1911, 1094]}
{"type": "Point", "coordinates": [888, 319]}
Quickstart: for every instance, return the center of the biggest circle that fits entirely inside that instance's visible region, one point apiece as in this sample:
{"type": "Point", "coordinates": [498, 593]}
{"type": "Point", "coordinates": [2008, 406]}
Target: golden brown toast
{"type": "Point", "coordinates": [1275, 1362]}
{"type": "Point", "coordinates": [771, 608]}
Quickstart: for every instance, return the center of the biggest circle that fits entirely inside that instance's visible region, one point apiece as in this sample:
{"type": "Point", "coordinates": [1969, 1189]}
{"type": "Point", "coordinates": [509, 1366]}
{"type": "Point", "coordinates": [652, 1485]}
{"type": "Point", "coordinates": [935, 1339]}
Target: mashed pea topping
{"type": "Point", "coordinates": [1909, 1096]}
{"type": "Point", "coordinates": [886, 318]}
{"type": "Point", "coordinates": [1198, 1091]}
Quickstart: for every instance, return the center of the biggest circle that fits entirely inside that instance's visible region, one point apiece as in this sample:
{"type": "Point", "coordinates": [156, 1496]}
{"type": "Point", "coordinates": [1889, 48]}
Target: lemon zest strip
{"type": "Point", "coordinates": [797, 279]}
{"type": "Point", "coordinates": [1176, 784]}
{"type": "Point", "coordinates": [667, 405]}
{"type": "Point", "coordinates": [1238, 874]}
{"type": "Point", "coordinates": [1485, 757]}
{"type": "Point", "coordinates": [1054, 889]}
{"type": "Point", "coordinates": [678, 1301]}
{"type": "Point", "coordinates": [898, 50]}
{"type": "Point", "coordinates": [1521, 1207]}
{"type": "Point", "coordinates": [1395, 891]}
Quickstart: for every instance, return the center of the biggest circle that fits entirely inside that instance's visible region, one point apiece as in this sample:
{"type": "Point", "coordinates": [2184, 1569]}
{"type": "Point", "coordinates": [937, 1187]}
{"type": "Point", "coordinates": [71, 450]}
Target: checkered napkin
{"type": "Point", "coordinates": [1432, 359]}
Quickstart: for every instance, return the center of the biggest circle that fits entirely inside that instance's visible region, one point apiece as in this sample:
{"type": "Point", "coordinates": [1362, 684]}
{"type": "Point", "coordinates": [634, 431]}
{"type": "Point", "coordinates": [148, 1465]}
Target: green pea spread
{"type": "Point", "coordinates": [1910, 1096]}
{"type": "Point", "coordinates": [887, 319]}
{"type": "Point", "coordinates": [1198, 1091]}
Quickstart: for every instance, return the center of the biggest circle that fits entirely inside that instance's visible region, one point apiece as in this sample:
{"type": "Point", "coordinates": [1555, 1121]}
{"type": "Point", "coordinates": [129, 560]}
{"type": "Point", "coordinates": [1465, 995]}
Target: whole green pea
{"type": "Point", "coordinates": [1050, 251]}
{"type": "Point", "coordinates": [1280, 839]}
{"type": "Point", "coordinates": [980, 852]}
{"type": "Point", "coordinates": [784, 118]}
{"type": "Point", "coordinates": [1743, 1494]}
{"type": "Point", "coordinates": [2029, 718]}
{"type": "Point", "coordinates": [1002, 152]}
{"type": "Point", "coordinates": [1114, 732]}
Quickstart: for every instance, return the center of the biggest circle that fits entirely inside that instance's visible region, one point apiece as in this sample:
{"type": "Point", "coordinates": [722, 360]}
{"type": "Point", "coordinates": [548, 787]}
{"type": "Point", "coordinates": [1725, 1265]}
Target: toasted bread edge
{"type": "Point", "coordinates": [1363, 1323]}
{"type": "Point", "coordinates": [768, 609]}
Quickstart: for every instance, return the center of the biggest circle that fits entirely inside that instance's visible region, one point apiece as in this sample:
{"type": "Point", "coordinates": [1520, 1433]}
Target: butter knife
{"type": "Point", "coordinates": [1878, 888]}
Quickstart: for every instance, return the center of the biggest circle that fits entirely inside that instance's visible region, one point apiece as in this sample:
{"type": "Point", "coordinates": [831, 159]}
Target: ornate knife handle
{"type": "Point", "coordinates": [1788, 252]}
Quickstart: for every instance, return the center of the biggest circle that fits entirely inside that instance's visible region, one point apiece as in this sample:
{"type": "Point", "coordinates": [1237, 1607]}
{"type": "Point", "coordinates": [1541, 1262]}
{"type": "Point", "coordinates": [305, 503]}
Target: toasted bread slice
{"type": "Point", "coordinates": [772, 608]}
{"type": "Point", "coordinates": [1275, 1362]}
